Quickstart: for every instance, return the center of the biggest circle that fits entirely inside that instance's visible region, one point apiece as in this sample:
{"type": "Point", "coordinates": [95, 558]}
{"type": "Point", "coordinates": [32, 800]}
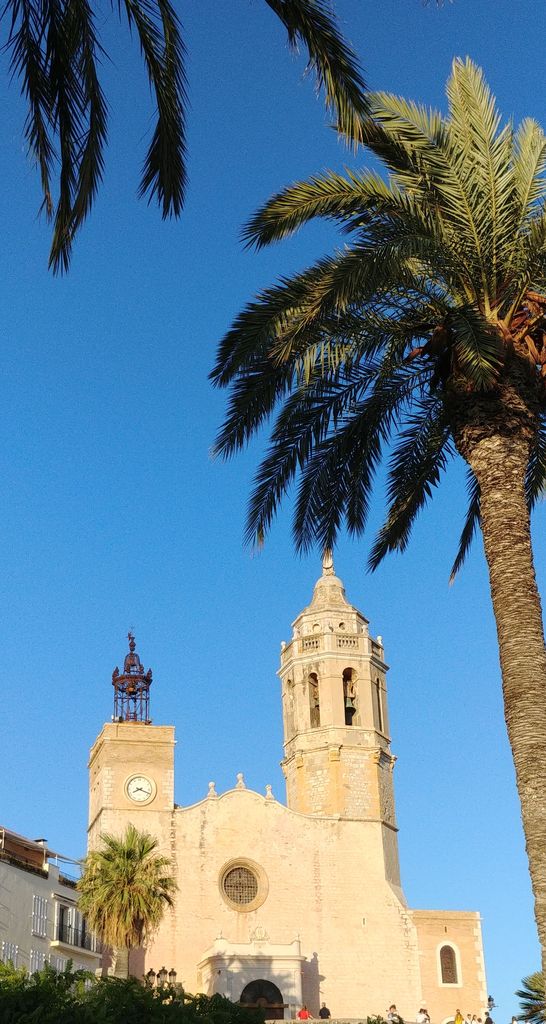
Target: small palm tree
{"type": "Point", "coordinates": [124, 890]}
{"type": "Point", "coordinates": [56, 51]}
{"type": "Point", "coordinates": [425, 334]}
{"type": "Point", "coordinates": [531, 997]}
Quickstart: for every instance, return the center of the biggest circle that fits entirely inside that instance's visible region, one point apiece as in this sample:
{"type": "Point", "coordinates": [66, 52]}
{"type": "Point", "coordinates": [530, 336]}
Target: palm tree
{"type": "Point", "coordinates": [124, 890]}
{"type": "Point", "coordinates": [55, 51]}
{"type": "Point", "coordinates": [426, 333]}
{"type": "Point", "coordinates": [531, 996]}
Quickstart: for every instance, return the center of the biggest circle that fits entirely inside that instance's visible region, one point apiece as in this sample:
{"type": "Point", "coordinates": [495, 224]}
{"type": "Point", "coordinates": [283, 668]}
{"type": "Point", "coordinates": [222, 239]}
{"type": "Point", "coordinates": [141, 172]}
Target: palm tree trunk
{"type": "Point", "coordinates": [499, 463]}
{"type": "Point", "coordinates": [120, 965]}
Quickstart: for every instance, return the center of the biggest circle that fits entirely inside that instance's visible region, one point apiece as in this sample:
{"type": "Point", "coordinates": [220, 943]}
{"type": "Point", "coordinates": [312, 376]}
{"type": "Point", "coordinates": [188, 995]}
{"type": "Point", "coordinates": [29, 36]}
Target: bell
{"type": "Point", "coordinates": [349, 705]}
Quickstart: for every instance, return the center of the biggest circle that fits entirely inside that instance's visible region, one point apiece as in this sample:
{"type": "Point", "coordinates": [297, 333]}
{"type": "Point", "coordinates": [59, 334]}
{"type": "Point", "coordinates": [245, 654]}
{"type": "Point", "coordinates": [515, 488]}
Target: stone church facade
{"type": "Point", "coordinates": [282, 905]}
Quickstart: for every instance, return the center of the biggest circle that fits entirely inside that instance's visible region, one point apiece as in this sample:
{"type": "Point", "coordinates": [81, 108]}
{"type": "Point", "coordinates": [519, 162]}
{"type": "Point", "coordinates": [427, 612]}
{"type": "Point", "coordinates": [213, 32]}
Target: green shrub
{"type": "Point", "coordinates": [48, 997]}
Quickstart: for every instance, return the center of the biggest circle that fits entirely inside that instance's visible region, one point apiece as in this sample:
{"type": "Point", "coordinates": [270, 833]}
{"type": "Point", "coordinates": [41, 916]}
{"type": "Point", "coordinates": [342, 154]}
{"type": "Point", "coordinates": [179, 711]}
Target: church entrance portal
{"type": "Point", "coordinates": [266, 996]}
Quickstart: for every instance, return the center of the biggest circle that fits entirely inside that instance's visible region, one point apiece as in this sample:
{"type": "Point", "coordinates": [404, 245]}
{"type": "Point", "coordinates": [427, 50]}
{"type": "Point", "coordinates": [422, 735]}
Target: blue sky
{"type": "Point", "coordinates": [113, 515]}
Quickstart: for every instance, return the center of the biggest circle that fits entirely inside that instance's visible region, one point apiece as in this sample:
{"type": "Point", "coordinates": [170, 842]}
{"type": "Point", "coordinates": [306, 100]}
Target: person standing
{"type": "Point", "coordinates": [423, 1016]}
{"type": "Point", "coordinates": [304, 1014]}
{"type": "Point", "coordinates": [458, 1018]}
{"type": "Point", "coordinates": [394, 1017]}
{"type": "Point", "coordinates": [324, 1012]}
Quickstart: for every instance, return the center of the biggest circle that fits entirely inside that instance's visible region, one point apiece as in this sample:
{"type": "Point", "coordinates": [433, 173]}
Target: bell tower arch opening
{"type": "Point", "coordinates": [378, 705]}
{"type": "Point", "coordinates": [314, 700]}
{"type": "Point", "coordinates": [349, 695]}
{"type": "Point", "coordinates": [288, 709]}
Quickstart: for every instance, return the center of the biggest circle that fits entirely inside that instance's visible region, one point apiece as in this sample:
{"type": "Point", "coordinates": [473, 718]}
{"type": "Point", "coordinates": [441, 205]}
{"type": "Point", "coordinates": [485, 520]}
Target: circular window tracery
{"type": "Point", "coordinates": [243, 884]}
{"type": "Point", "coordinates": [240, 885]}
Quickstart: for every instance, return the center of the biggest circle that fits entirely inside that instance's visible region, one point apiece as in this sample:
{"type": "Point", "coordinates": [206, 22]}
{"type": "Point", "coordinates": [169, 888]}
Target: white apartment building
{"type": "Point", "coordinates": [39, 920]}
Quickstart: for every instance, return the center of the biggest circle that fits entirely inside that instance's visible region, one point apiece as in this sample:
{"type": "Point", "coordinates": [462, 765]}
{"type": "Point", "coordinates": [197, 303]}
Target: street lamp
{"type": "Point", "coordinates": [172, 976]}
{"type": "Point", "coordinates": [490, 1003]}
{"type": "Point", "coordinates": [162, 976]}
{"type": "Point", "coordinates": [150, 976]}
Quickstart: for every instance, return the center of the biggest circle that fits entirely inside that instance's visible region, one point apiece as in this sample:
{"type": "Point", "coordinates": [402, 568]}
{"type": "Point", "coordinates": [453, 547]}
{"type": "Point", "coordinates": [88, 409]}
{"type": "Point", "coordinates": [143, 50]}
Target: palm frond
{"type": "Point", "coordinates": [337, 479]}
{"type": "Point", "coordinates": [484, 159]}
{"type": "Point", "coordinates": [254, 395]}
{"type": "Point", "coordinates": [472, 522]}
{"type": "Point", "coordinates": [535, 480]}
{"type": "Point", "coordinates": [83, 112]}
{"type": "Point", "coordinates": [532, 999]}
{"type": "Point", "coordinates": [338, 350]}
{"type": "Point", "coordinates": [341, 471]}
{"type": "Point", "coordinates": [55, 52]}
{"type": "Point", "coordinates": [529, 167]}
{"type": "Point", "coordinates": [27, 61]}
{"type": "Point", "coordinates": [329, 195]}
{"type": "Point", "coordinates": [315, 363]}
{"type": "Point", "coordinates": [417, 462]}
{"type": "Point", "coordinates": [69, 118]}
{"type": "Point", "coordinates": [164, 173]}
{"type": "Point", "coordinates": [528, 268]}
{"type": "Point", "coordinates": [303, 423]}
{"type": "Point", "coordinates": [402, 133]}
{"type": "Point", "coordinates": [415, 144]}
{"type": "Point", "coordinates": [330, 57]}
{"type": "Point", "coordinates": [477, 346]}
{"type": "Point", "coordinates": [277, 321]}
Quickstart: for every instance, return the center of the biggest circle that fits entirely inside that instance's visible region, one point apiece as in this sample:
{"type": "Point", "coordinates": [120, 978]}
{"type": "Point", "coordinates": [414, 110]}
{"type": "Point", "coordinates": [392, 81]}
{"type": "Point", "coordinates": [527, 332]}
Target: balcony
{"type": "Point", "coordinates": [76, 938]}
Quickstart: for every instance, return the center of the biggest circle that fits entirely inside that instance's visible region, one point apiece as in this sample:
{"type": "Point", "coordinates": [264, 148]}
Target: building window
{"type": "Point", "coordinates": [9, 953]}
{"type": "Point", "coordinates": [448, 966]}
{"type": "Point", "coordinates": [58, 963]}
{"type": "Point", "coordinates": [37, 960]}
{"type": "Point", "coordinates": [243, 885]}
{"type": "Point", "coordinates": [39, 916]}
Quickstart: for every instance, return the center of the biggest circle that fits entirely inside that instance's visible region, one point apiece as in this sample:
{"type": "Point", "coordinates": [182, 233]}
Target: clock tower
{"type": "Point", "coordinates": [131, 766]}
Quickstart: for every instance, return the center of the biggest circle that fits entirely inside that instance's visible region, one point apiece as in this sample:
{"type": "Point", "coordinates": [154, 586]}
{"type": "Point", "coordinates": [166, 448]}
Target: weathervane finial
{"type": "Point", "coordinates": [328, 562]}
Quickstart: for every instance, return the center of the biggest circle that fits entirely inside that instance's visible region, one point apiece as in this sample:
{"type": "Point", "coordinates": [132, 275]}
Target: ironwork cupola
{"type": "Point", "coordinates": [132, 688]}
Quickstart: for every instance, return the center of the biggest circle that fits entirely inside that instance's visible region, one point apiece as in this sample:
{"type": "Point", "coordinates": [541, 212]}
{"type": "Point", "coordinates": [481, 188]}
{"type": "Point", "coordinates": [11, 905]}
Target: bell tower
{"type": "Point", "coordinates": [337, 758]}
{"type": "Point", "coordinates": [131, 765]}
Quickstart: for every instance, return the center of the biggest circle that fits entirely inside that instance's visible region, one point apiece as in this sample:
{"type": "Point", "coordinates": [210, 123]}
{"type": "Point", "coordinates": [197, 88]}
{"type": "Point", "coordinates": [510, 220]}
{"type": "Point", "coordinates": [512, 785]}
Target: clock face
{"type": "Point", "coordinates": [140, 789]}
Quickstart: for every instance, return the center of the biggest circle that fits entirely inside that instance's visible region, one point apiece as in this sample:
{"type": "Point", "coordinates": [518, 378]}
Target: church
{"type": "Point", "coordinates": [282, 905]}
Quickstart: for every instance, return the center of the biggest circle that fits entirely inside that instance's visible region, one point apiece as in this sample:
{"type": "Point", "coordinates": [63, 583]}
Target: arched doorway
{"type": "Point", "coordinates": [264, 995]}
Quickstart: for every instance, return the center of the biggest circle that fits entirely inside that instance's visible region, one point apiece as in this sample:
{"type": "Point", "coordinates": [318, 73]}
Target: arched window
{"type": "Point", "coordinates": [349, 694]}
{"type": "Point", "coordinates": [314, 700]}
{"type": "Point", "coordinates": [378, 705]}
{"type": "Point", "coordinates": [448, 966]}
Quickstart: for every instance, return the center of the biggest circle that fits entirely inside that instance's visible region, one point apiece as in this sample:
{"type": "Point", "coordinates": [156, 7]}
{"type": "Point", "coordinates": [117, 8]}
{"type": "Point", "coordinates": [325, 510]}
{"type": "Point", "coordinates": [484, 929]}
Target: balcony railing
{"type": "Point", "coordinates": [78, 937]}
